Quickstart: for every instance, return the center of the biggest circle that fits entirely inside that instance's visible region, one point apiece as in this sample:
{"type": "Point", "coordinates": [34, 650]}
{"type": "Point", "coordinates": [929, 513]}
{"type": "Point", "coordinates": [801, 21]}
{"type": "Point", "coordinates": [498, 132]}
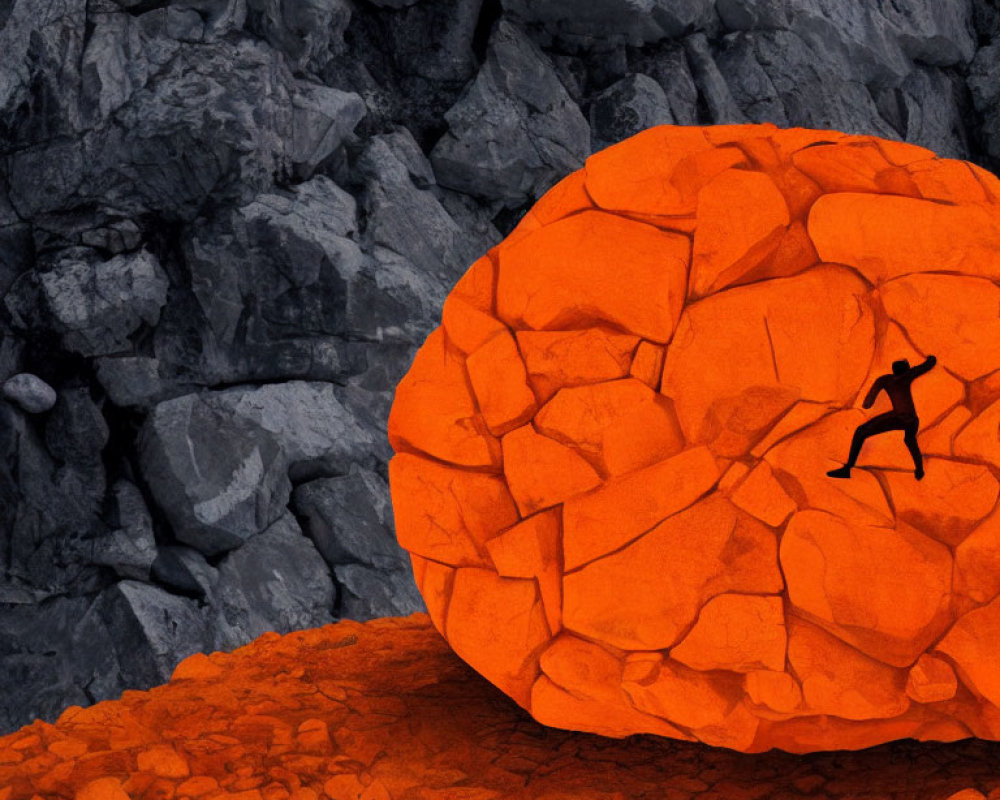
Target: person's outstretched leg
{"type": "Point", "coordinates": [910, 439]}
{"type": "Point", "coordinates": [880, 424]}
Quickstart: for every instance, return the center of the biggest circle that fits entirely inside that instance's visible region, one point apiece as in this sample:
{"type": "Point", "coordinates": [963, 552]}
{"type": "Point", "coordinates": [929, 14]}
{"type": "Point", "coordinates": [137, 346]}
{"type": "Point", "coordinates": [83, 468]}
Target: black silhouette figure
{"type": "Point", "coordinates": [903, 416]}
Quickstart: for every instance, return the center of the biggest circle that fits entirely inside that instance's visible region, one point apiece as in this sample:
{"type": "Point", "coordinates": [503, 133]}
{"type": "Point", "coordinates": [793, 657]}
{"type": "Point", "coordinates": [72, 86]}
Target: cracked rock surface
{"type": "Point", "coordinates": [611, 456]}
{"type": "Point", "coordinates": [227, 225]}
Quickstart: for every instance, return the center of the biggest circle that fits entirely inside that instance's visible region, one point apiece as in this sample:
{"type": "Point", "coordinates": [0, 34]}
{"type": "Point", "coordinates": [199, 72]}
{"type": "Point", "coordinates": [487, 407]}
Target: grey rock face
{"type": "Point", "coordinates": [627, 107]}
{"type": "Point", "coordinates": [75, 431]}
{"type": "Point", "coordinates": [227, 225]}
{"type": "Point", "coordinates": [349, 519]}
{"type": "Point", "coordinates": [183, 570]}
{"type": "Point", "coordinates": [215, 492]}
{"type": "Point", "coordinates": [295, 255]}
{"type": "Point", "coordinates": [30, 392]}
{"type": "Point", "coordinates": [46, 511]}
{"type": "Point", "coordinates": [275, 582]}
{"type": "Point", "coordinates": [153, 630]}
{"type": "Point", "coordinates": [406, 218]}
{"type": "Point", "coordinates": [781, 75]}
{"type": "Point", "coordinates": [220, 120]}
{"type": "Point", "coordinates": [879, 41]}
{"type": "Point", "coordinates": [310, 422]}
{"type": "Point", "coordinates": [97, 305]}
{"type": "Point", "coordinates": [516, 130]}
{"type": "Point", "coordinates": [984, 73]}
{"type": "Point", "coordinates": [130, 549]}
{"type": "Point", "coordinates": [635, 22]}
{"type": "Point", "coordinates": [134, 381]}
{"type": "Point", "coordinates": [368, 593]}
{"type": "Point", "coordinates": [33, 679]}
{"type": "Point", "coordinates": [712, 84]}
{"type": "Point", "coordinates": [218, 496]}
{"type": "Point", "coordinates": [308, 32]}
{"type": "Point", "coordinates": [322, 118]}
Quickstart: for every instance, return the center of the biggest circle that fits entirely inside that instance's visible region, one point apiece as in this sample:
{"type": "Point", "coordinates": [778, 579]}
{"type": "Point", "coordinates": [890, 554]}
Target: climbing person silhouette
{"type": "Point", "coordinates": [902, 417]}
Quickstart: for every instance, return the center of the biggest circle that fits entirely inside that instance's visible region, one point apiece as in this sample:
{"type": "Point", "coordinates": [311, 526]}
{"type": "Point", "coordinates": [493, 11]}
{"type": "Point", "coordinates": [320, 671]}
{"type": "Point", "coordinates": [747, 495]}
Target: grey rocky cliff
{"type": "Point", "coordinates": [226, 225]}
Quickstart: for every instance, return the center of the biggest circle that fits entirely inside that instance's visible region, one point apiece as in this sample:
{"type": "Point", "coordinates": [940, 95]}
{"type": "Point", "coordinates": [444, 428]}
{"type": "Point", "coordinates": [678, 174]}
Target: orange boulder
{"type": "Point", "coordinates": [612, 457]}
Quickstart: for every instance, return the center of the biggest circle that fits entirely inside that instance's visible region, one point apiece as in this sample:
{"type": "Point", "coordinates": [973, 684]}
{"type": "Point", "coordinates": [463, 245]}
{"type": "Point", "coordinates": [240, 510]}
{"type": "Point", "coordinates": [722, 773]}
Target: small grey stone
{"type": "Point", "coordinates": [29, 392]}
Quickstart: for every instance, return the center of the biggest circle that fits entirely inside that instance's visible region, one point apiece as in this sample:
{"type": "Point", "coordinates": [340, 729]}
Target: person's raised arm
{"type": "Point", "coordinates": [920, 369]}
{"type": "Point", "coordinates": [872, 394]}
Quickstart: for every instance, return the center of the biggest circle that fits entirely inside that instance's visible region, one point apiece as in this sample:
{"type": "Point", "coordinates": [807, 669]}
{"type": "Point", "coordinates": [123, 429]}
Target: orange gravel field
{"type": "Point", "coordinates": [386, 711]}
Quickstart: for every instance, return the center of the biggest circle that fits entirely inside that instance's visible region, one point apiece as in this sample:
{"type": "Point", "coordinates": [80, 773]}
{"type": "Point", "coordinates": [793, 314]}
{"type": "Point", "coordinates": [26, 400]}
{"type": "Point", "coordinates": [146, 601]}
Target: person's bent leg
{"type": "Point", "coordinates": [857, 441]}
{"type": "Point", "coordinates": [889, 421]}
{"type": "Point", "coordinates": [880, 424]}
{"type": "Point", "coordinates": [910, 439]}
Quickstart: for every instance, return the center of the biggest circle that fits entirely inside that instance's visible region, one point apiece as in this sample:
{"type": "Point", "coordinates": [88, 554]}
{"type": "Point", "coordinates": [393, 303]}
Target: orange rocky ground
{"type": "Point", "coordinates": [611, 455]}
{"type": "Point", "coordinates": [386, 711]}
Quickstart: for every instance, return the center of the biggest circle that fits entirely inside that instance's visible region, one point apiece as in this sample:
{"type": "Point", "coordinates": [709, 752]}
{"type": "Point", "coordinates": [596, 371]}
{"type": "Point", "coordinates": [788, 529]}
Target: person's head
{"type": "Point", "coordinates": [899, 367]}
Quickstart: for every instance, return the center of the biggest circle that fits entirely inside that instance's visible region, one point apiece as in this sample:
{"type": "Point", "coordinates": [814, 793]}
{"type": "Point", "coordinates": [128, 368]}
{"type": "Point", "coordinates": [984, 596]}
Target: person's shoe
{"type": "Point", "coordinates": [918, 473]}
{"type": "Point", "coordinates": [843, 472]}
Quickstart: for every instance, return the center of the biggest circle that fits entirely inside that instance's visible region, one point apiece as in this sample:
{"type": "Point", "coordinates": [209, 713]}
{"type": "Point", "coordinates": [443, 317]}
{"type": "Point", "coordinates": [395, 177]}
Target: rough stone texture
{"type": "Point", "coordinates": [97, 306]}
{"type": "Point", "coordinates": [630, 540]}
{"type": "Point", "coordinates": [626, 107]}
{"type": "Point", "coordinates": [386, 710]}
{"type": "Point", "coordinates": [277, 581]}
{"type": "Point", "coordinates": [130, 549]}
{"type": "Point", "coordinates": [216, 496]}
{"type": "Point", "coordinates": [635, 22]}
{"type": "Point", "coordinates": [349, 519]}
{"type": "Point", "coordinates": [206, 195]}
{"type": "Point", "coordinates": [515, 131]}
